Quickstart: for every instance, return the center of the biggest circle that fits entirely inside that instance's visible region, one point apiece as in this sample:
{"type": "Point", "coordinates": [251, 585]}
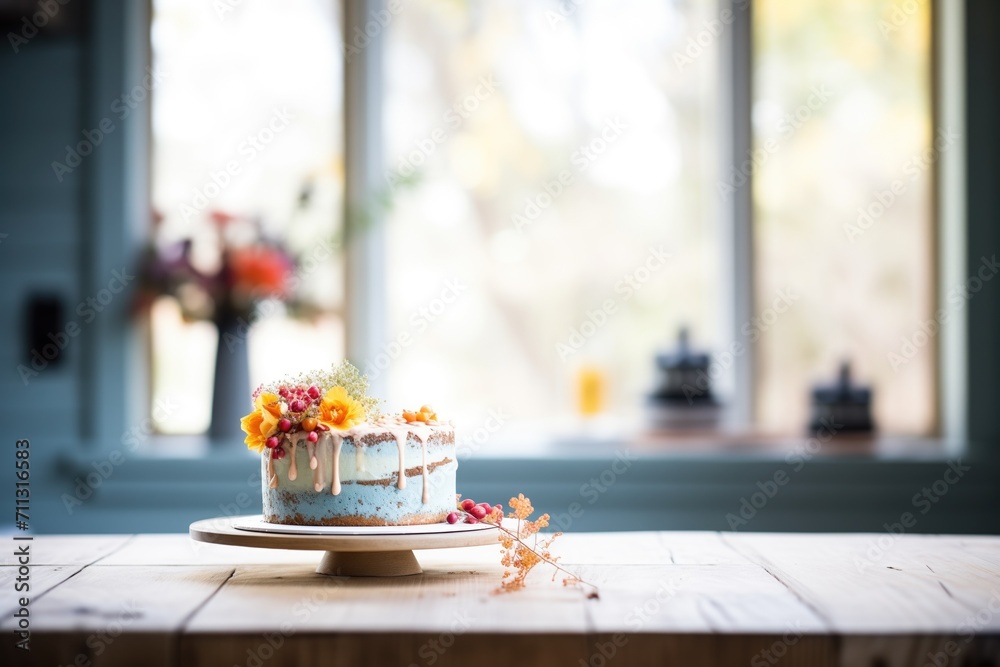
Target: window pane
{"type": "Point", "coordinates": [843, 203]}
{"type": "Point", "coordinates": [247, 117]}
{"type": "Point", "coordinates": [563, 149]}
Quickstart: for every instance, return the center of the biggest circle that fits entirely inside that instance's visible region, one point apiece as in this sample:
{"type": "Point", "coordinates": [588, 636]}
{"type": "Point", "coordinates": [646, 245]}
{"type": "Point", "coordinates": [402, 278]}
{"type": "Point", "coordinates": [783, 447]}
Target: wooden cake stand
{"type": "Point", "coordinates": [360, 551]}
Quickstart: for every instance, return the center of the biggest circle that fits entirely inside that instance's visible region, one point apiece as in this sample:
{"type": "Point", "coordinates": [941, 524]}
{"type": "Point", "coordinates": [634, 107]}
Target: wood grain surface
{"type": "Point", "coordinates": [665, 598]}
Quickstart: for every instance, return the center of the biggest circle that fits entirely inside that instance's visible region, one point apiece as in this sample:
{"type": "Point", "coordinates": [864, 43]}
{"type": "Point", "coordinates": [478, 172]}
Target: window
{"type": "Point", "coordinates": [557, 198]}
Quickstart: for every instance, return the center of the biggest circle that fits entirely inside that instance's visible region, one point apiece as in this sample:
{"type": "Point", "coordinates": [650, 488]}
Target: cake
{"type": "Point", "coordinates": [330, 457]}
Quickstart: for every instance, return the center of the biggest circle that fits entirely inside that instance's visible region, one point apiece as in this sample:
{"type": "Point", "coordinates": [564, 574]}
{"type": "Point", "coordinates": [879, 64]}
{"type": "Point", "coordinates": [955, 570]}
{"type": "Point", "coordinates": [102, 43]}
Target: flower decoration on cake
{"type": "Point", "coordinates": [262, 423]}
{"type": "Point", "coordinates": [312, 402]}
{"type": "Point", "coordinates": [337, 410]}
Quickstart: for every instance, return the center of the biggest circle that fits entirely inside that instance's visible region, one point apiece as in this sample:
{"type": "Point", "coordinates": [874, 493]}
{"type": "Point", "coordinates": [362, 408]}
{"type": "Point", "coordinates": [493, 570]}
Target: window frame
{"type": "Point", "coordinates": [119, 218]}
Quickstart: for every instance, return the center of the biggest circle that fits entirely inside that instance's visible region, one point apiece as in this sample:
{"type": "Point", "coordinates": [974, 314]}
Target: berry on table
{"type": "Point", "coordinates": [478, 511]}
{"type": "Point", "coordinates": [453, 517]}
{"type": "Point", "coordinates": [471, 519]}
{"type": "Point", "coordinates": [468, 504]}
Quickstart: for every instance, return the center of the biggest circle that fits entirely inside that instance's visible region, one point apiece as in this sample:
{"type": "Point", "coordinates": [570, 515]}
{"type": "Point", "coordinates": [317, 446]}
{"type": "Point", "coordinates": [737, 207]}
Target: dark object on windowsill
{"type": "Point", "coordinates": [841, 407]}
{"type": "Point", "coordinates": [683, 397]}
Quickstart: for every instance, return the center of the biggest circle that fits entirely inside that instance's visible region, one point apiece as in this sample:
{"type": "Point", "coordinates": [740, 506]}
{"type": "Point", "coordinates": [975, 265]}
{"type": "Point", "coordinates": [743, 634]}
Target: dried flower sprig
{"type": "Point", "coordinates": [519, 557]}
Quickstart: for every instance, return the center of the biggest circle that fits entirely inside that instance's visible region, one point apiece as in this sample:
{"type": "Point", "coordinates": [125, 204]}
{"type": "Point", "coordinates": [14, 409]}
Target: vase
{"type": "Point", "coordinates": [231, 389]}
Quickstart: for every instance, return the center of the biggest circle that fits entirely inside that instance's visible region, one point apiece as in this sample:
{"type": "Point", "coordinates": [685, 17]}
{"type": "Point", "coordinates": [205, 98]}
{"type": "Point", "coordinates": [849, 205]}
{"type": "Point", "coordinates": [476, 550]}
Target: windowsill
{"type": "Point", "coordinates": [710, 446]}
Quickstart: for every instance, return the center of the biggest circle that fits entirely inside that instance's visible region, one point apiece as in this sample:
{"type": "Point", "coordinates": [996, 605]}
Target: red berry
{"type": "Point", "coordinates": [468, 504]}
{"type": "Point", "coordinates": [486, 506]}
{"type": "Point", "coordinates": [313, 391]}
{"type": "Point", "coordinates": [313, 436]}
{"type": "Point", "coordinates": [285, 425]}
{"type": "Point", "coordinates": [272, 442]}
{"type": "Point", "coordinates": [298, 405]}
{"type": "Point", "coordinates": [471, 519]}
{"type": "Point", "coordinates": [278, 454]}
{"type": "Point", "coordinates": [283, 392]}
{"type": "Point", "coordinates": [453, 517]}
{"type": "Point", "coordinates": [478, 512]}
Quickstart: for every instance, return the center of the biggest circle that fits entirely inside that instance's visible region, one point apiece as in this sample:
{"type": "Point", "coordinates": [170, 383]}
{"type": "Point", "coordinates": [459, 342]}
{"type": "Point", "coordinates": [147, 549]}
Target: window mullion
{"type": "Point", "coordinates": [365, 266]}
{"type": "Point", "coordinates": [737, 208]}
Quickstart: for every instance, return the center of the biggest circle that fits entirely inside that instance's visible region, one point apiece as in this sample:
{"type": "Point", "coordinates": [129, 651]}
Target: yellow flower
{"type": "Point", "coordinates": [339, 411]}
{"type": "Point", "coordinates": [262, 423]}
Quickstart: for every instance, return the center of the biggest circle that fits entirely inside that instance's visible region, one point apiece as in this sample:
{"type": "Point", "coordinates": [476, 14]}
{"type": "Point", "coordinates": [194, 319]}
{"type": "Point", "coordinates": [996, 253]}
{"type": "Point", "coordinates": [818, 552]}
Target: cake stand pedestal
{"type": "Point", "coordinates": [349, 551]}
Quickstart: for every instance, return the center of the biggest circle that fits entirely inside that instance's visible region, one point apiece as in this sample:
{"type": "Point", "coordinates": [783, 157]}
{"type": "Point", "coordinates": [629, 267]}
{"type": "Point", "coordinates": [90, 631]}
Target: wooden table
{"type": "Point", "coordinates": [679, 598]}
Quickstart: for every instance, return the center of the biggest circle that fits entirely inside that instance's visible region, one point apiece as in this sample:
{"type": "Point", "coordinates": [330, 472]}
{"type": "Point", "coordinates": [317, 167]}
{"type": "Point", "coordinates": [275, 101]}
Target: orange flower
{"type": "Point", "coordinates": [262, 423]}
{"type": "Point", "coordinates": [339, 411]}
{"type": "Point", "coordinates": [260, 270]}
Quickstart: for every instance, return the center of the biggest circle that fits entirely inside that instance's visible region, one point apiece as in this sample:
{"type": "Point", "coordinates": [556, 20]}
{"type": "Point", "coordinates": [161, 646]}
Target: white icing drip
{"type": "Point", "coordinates": [293, 470]}
{"type": "Point", "coordinates": [272, 479]}
{"type": "Point", "coordinates": [316, 467]}
{"type": "Point", "coordinates": [335, 479]}
{"type": "Point", "coordinates": [311, 446]}
{"type": "Point", "coordinates": [424, 496]}
{"type": "Point", "coordinates": [401, 446]}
